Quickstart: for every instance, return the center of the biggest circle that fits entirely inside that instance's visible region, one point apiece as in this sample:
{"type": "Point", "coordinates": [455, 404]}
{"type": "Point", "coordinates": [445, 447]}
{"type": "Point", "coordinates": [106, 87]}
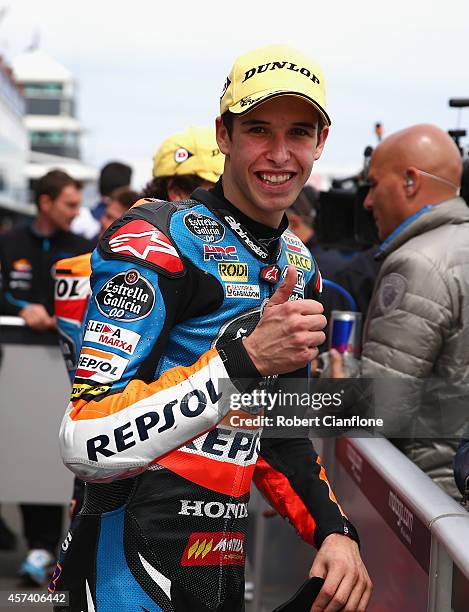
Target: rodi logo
{"type": "Point", "coordinates": [234, 272]}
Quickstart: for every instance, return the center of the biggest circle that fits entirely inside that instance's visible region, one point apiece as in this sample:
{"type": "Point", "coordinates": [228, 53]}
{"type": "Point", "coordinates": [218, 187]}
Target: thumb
{"type": "Point", "coordinates": [285, 289]}
{"type": "Point", "coordinates": [318, 568]}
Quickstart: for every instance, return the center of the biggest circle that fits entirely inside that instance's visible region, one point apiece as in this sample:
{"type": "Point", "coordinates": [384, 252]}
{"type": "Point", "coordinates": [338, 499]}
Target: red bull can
{"type": "Point", "coordinates": [345, 332]}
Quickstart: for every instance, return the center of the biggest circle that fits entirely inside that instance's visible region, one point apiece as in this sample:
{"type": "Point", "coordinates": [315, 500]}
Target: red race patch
{"type": "Point", "coordinates": [209, 548]}
{"type": "Point", "coordinates": [144, 241]}
{"type": "Point", "coordinates": [270, 274]}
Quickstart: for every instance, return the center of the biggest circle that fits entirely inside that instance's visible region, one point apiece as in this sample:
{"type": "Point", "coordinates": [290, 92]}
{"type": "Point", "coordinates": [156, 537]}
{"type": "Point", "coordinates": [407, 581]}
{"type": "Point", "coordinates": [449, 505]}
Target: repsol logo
{"type": "Point", "coordinates": [71, 288]}
{"type": "Point", "coordinates": [125, 436]}
{"type": "Point", "coordinates": [213, 509]}
{"type": "Point", "coordinates": [283, 65]}
{"type": "Point", "coordinates": [227, 445]}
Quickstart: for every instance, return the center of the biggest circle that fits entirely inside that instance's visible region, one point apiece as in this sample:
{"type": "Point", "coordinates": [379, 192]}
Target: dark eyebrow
{"type": "Point", "coordinates": [254, 122]}
{"type": "Point", "coordinates": [304, 124]}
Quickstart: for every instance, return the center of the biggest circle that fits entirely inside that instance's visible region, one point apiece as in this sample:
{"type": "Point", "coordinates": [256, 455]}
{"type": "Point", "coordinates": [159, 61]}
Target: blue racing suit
{"type": "Point", "coordinates": [175, 287]}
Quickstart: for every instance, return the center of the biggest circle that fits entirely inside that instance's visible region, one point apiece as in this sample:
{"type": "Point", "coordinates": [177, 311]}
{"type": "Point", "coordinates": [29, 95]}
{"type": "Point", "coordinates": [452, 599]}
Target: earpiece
{"type": "Point", "coordinates": [409, 182]}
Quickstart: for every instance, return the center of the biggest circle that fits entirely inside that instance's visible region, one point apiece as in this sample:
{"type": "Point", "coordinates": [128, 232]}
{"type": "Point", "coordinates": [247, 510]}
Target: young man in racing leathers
{"type": "Point", "coordinates": [188, 308]}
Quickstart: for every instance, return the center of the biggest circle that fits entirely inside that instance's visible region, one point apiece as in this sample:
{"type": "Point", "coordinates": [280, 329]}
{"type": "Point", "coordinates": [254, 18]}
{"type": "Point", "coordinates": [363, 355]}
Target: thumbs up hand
{"type": "Point", "coordinates": [288, 333]}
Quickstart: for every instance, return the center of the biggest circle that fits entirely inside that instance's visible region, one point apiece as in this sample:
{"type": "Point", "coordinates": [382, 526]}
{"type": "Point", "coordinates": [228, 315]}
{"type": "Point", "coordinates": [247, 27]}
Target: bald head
{"type": "Point", "coordinates": [425, 147]}
{"type": "Point", "coordinates": [410, 169]}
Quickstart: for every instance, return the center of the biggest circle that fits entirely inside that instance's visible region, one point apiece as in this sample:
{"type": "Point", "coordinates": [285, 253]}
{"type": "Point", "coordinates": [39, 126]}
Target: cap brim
{"type": "Point", "coordinates": [211, 177]}
{"type": "Point", "coordinates": [240, 109]}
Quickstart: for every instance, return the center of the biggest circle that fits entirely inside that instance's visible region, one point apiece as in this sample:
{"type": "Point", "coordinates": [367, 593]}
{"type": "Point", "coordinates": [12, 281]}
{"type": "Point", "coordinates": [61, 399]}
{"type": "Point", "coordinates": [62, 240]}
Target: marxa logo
{"type": "Point", "coordinates": [213, 509]}
{"type": "Point", "coordinates": [191, 405]}
{"type": "Point", "coordinates": [111, 335]}
{"type": "Point", "coordinates": [283, 65]}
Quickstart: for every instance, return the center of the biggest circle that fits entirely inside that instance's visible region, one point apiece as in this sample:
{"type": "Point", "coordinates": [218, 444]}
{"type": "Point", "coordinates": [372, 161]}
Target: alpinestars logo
{"type": "Point", "coordinates": [270, 274]}
{"type": "Point", "coordinates": [144, 241]}
{"type": "Point", "coordinates": [243, 235]}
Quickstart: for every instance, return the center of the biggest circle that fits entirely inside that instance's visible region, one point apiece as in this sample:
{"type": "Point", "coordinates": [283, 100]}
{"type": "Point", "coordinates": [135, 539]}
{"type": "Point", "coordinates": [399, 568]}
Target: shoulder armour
{"type": "Point", "coordinates": [142, 236]}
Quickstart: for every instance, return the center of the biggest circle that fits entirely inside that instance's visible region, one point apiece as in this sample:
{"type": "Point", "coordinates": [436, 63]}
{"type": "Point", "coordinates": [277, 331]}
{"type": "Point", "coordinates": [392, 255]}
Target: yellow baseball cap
{"type": "Point", "coordinates": [273, 71]}
{"type": "Point", "coordinates": [194, 151]}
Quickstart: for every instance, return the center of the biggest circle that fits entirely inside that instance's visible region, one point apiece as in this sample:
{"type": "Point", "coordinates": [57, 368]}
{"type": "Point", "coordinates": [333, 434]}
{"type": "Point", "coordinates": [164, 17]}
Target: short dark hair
{"type": "Point", "coordinates": [112, 176]}
{"type": "Point", "coordinates": [227, 120]}
{"type": "Point", "coordinates": [158, 187]}
{"type": "Point", "coordinates": [52, 184]}
{"type": "Point", "coordinates": [125, 196]}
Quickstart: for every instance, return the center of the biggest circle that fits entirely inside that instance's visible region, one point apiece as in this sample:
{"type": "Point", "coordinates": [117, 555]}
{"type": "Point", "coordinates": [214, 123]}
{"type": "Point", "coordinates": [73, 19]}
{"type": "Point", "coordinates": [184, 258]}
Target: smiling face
{"type": "Point", "coordinates": [269, 156]}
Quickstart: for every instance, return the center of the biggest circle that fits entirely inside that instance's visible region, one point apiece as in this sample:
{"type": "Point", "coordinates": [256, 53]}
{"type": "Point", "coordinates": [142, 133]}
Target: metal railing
{"type": "Point", "coordinates": [432, 526]}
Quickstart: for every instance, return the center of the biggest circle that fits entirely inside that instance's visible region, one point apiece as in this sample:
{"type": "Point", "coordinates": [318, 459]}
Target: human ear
{"type": "Point", "coordinates": [223, 138]}
{"type": "Point", "coordinates": [321, 142]}
{"type": "Point", "coordinates": [44, 203]}
{"type": "Point", "coordinates": [411, 181]}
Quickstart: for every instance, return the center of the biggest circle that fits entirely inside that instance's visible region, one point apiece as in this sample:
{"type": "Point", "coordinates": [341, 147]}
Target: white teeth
{"type": "Point", "coordinates": [275, 178]}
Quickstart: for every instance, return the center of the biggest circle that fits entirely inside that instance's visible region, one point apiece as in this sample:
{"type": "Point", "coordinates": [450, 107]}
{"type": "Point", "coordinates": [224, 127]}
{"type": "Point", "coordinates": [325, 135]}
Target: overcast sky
{"type": "Point", "coordinates": [147, 69]}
